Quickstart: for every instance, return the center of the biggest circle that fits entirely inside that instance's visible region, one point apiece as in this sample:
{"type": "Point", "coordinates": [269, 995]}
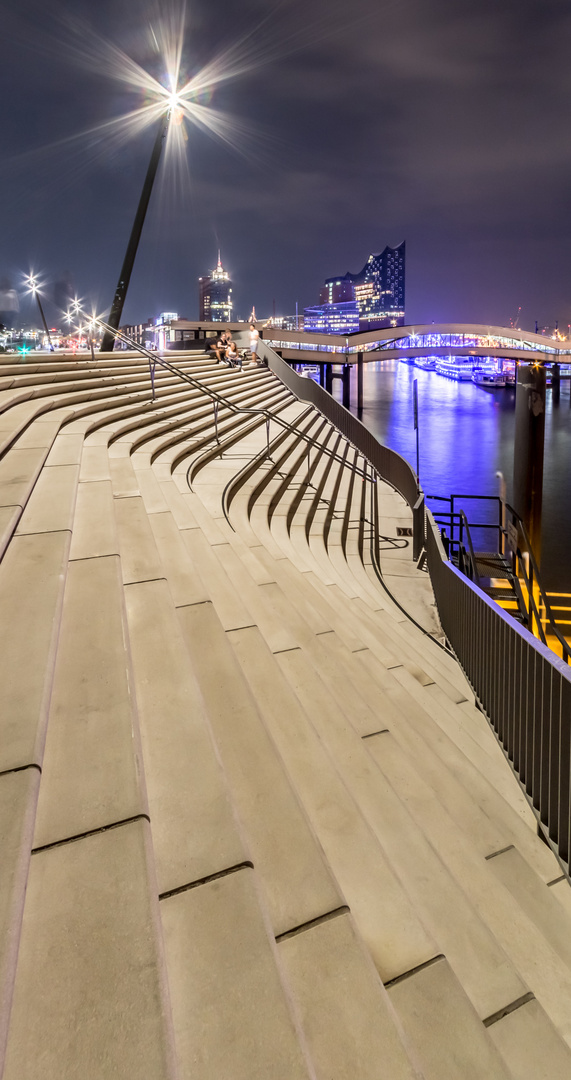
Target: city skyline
{"type": "Point", "coordinates": [456, 142]}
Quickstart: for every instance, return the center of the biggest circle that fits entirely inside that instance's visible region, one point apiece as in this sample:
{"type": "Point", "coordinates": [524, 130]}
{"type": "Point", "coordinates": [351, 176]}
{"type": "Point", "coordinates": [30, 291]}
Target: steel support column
{"type": "Point", "coordinates": [528, 449]}
{"type": "Point", "coordinates": [347, 385]}
{"type": "Point", "coordinates": [329, 378]}
{"type": "Point", "coordinates": [360, 380]}
{"type": "Point", "coordinates": [108, 339]}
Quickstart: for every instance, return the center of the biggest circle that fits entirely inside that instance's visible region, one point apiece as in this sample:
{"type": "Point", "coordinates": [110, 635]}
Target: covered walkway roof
{"type": "Point", "coordinates": [442, 339]}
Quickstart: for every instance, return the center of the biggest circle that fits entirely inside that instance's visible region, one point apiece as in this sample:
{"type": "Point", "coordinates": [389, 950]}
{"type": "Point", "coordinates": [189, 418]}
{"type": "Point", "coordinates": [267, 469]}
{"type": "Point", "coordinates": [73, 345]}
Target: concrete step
{"type": "Point", "coordinates": [19, 471]}
{"type": "Point", "coordinates": [17, 408]}
{"type": "Point", "coordinates": [454, 922]}
{"type": "Point", "coordinates": [462, 788]}
{"type": "Point", "coordinates": [387, 922]}
{"type": "Point", "coordinates": [231, 1013]}
{"type": "Point", "coordinates": [561, 889]}
{"type": "Point", "coordinates": [529, 1044]}
{"type": "Point", "coordinates": [231, 607]}
{"type": "Point", "coordinates": [449, 1039]}
{"type": "Point", "coordinates": [178, 565]}
{"type": "Point", "coordinates": [90, 992]}
{"type": "Point", "coordinates": [514, 914]}
{"type": "Point", "coordinates": [297, 883]}
{"type": "Point", "coordinates": [535, 898]}
{"type": "Point", "coordinates": [346, 1015]}
{"type": "Point", "coordinates": [193, 825]}
{"type": "Point", "coordinates": [91, 770]}
{"type": "Point", "coordinates": [18, 796]}
{"type": "Point", "coordinates": [140, 560]}
{"type": "Point", "coordinates": [94, 524]}
{"type": "Point", "coordinates": [51, 504]}
{"type": "Point", "coordinates": [32, 579]}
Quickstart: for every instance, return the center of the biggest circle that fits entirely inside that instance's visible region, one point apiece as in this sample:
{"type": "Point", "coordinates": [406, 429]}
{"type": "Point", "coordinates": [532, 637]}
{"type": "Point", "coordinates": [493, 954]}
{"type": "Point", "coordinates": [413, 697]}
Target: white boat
{"type": "Point", "coordinates": [427, 363]}
{"type": "Point", "coordinates": [455, 369]}
{"type": "Point", "coordinates": [488, 377]}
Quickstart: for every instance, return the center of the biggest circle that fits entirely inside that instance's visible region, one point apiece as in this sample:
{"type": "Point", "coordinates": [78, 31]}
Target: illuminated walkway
{"type": "Point", "coordinates": [253, 826]}
{"type": "Point", "coordinates": [445, 339]}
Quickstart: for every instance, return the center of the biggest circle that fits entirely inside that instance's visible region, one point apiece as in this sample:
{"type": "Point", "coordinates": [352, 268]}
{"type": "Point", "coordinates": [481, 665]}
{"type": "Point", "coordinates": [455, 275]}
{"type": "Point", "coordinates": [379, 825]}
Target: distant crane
{"type": "Point", "coordinates": [514, 322]}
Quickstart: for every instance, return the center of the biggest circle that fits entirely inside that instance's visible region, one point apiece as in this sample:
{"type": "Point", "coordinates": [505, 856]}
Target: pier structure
{"type": "Point", "coordinates": [255, 820]}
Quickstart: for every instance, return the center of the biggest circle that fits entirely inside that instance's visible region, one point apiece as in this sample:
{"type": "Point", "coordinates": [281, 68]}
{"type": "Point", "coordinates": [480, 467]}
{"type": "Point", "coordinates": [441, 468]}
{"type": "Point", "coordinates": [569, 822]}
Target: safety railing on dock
{"type": "Point", "coordinates": [521, 685]}
{"type": "Point", "coordinates": [510, 546]}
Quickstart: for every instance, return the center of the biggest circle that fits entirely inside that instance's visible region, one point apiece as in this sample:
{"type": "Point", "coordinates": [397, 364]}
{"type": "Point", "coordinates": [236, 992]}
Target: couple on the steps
{"type": "Point", "coordinates": [226, 348]}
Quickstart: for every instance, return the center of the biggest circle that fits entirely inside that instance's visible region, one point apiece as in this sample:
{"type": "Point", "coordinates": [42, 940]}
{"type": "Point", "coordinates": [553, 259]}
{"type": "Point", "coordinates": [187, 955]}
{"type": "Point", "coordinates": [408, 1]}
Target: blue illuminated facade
{"type": "Point", "coordinates": [379, 290]}
{"type": "Point", "coordinates": [371, 300]}
{"type": "Point", "coordinates": [342, 318]}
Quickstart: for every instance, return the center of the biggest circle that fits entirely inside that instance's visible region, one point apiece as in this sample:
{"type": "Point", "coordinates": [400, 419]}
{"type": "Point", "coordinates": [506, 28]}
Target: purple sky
{"type": "Point", "coordinates": [440, 122]}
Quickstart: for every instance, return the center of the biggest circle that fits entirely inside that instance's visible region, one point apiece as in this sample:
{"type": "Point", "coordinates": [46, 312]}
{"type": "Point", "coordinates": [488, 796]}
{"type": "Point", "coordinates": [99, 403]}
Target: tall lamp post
{"type": "Point", "coordinates": [32, 284]}
{"type": "Point", "coordinates": [108, 338]}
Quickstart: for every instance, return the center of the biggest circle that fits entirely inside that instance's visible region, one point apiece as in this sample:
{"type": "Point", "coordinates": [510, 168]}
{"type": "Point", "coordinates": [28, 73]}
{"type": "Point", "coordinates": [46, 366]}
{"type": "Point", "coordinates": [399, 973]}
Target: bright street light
{"type": "Point", "coordinates": [33, 286]}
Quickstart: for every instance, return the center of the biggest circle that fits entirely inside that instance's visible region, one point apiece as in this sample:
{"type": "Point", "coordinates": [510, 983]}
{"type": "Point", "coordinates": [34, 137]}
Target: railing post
{"type": "Point", "coordinates": [216, 421]}
{"type": "Point", "coordinates": [418, 527]}
{"type": "Point", "coordinates": [360, 380]}
{"type": "Point", "coordinates": [152, 374]}
{"type": "Point", "coordinates": [347, 385]}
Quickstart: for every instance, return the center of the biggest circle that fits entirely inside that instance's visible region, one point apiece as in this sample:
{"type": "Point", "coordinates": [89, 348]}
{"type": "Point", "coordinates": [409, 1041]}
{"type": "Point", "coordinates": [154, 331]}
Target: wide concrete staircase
{"type": "Point", "coordinates": [253, 824]}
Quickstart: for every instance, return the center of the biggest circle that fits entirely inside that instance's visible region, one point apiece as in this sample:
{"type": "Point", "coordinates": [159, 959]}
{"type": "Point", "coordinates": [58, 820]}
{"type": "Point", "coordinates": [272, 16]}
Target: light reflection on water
{"type": "Point", "coordinates": [466, 436]}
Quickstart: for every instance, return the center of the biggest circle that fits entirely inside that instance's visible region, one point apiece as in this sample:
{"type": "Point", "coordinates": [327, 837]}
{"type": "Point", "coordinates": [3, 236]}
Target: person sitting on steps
{"type": "Point", "coordinates": [232, 355]}
{"type": "Point", "coordinates": [221, 346]}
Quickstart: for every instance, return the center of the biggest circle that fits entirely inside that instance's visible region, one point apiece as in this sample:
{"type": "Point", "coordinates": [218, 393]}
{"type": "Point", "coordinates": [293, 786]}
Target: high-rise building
{"type": "Point", "coordinates": [379, 289]}
{"type": "Point", "coordinates": [215, 296]}
{"type": "Point", "coordinates": [369, 300]}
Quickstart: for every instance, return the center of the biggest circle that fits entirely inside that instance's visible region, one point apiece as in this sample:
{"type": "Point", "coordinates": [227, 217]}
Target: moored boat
{"type": "Point", "coordinates": [488, 377]}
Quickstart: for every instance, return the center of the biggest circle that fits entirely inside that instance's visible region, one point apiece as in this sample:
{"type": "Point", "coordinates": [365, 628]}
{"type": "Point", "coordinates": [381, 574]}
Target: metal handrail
{"type": "Point", "coordinates": [553, 629]}
{"type": "Point", "coordinates": [521, 685]}
{"type": "Point", "coordinates": [531, 609]}
{"type": "Point", "coordinates": [217, 399]}
{"type": "Point", "coordinates": [386, 463]}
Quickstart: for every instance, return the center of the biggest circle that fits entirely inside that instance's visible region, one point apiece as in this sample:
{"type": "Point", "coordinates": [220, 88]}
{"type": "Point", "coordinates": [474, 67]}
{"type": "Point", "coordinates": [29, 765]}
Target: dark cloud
{"type": "Point", "coordinates": [442, 122]}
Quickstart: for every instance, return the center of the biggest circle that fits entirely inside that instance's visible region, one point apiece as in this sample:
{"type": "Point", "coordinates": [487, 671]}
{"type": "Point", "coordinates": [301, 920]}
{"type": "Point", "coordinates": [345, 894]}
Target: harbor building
{"type": "Point", "coordinates": [215, 295]}
{"type": "Point", "coordinates": [370, 300]}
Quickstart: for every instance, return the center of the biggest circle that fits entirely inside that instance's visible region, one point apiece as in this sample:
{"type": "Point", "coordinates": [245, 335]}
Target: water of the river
{"type": "Point", "coordinates": [466, 436]}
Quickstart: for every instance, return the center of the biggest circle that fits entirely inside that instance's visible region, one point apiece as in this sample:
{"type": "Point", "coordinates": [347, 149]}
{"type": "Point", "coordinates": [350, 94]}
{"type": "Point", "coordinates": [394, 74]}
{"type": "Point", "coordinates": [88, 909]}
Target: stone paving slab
{"type": "Point", "coordinates": [230, 1009]}
{"type": "Point", "coordinates": [91, 769]}
{"type": "Point", "coordinates": [90, 999]}
{"type": "Point", "coordinates": [32, 576]}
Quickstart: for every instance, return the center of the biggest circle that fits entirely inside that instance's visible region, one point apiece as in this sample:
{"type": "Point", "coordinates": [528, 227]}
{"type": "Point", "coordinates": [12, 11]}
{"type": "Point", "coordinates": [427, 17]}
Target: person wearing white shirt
{"type": "Point", "coordinates": [254, 338]}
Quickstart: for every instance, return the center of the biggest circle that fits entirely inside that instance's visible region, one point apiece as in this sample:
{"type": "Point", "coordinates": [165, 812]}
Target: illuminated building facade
{"type": "Point", "coordinates": [337, 290]}
{"type": "Point", "coordinates": [380, 289]}
{"type": "Point", "coordinates": [370, 300]}
{"type": "Point", "coordinates": [341, 318]}
{"type": "Point", "coordinates": [215, 296]}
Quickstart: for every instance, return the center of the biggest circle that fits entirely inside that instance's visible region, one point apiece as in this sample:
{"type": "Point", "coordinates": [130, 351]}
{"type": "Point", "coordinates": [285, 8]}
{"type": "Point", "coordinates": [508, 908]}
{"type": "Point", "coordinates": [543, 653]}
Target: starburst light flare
{"type": "Point", "coordinates": [34, 287]}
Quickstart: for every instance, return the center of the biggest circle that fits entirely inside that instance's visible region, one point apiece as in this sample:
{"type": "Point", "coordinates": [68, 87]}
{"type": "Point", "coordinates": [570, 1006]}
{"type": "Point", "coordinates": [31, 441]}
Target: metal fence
{"type": "Point", "coordinates": [522, 686]}
{"type": "Point", "coordinates": [386, 462]}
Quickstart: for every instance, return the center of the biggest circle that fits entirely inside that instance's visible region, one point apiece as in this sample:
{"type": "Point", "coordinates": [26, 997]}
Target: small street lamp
{"type": "Point", "coordinates": [32, 284]}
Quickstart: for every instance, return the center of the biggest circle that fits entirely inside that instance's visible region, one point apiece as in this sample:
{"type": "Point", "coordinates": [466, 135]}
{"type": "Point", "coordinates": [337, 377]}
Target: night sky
{"type": "Point", "coordinates": [444, 123]}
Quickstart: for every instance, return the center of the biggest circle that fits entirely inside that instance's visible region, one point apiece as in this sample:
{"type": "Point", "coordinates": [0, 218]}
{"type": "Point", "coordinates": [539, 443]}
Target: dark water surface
{"type": "Point", "coordinates": [466, 436]}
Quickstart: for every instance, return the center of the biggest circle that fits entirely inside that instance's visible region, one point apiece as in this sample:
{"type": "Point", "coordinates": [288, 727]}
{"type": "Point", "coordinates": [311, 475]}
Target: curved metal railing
{"type": "Point", "coordinates": [387, 463]}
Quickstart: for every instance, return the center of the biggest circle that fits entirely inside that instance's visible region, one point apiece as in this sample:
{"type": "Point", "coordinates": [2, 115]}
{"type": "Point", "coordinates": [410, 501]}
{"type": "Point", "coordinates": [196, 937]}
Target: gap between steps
{"type": "Point", "coordinates": [91, 832]}
{"type": "Point", "coordinates": [343, 910]}
{"type": "Point", "coordinates": [205, 880]}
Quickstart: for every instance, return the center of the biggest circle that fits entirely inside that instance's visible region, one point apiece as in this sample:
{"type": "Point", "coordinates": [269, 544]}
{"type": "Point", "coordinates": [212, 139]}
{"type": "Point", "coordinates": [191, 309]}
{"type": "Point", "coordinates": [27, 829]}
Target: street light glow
{"type": "Point", "coordinates": [32, 283]}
